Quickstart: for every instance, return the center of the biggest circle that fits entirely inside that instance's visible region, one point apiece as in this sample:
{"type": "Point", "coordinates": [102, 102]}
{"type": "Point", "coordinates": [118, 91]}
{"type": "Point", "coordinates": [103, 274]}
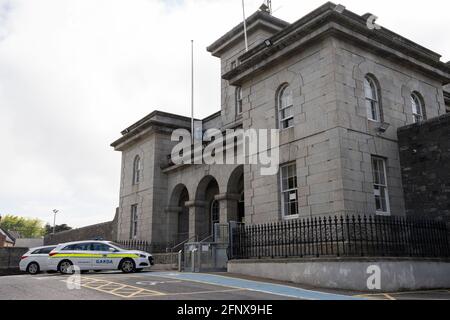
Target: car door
{"type": "Point", "coordinates": [107, 260]}
{"type": "Point", "coordinates": [81, 255]}
{"type": "Point", "coordinates": [42, 258]}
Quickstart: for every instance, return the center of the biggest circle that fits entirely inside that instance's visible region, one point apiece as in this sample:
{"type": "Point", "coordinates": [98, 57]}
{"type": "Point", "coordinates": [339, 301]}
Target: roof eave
{"type": "Point", "coordinates": [336, 24]}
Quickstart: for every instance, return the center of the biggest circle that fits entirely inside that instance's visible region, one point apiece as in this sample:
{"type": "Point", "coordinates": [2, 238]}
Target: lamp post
{"type": "Point", "coordinates": [54, 220]}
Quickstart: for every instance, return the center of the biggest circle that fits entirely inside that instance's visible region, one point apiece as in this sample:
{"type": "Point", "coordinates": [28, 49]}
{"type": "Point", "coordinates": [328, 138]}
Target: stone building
{"type": "Point", "coordinates": [338, 90]}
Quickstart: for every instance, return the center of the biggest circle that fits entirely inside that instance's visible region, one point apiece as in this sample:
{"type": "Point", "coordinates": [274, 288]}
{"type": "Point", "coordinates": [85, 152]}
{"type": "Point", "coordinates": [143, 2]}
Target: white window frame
{"type": "Point", "coordinates": [238, 100]}
{"type": "Point", "coordinates": [281, 109]}
{"type": "Point", "coordinates": [371, 101]}
{"type": "Point", "coordinates": [379, 186]}
{"type": "Point", "coordinates": [214, 205]}
{"type": "Point", "coordinates": [134, 221]}
{"type": "Point", "coordinates": [289, 191]}
{"type": "Point", "coordinates": [137, 169]}
{"type": "Point", "coordinates": [417, 105]}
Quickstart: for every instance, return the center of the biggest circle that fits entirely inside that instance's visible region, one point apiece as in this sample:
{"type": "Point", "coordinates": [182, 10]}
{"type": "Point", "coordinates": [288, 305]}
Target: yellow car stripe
{"type": "Point", "coordinates": [81, 255]}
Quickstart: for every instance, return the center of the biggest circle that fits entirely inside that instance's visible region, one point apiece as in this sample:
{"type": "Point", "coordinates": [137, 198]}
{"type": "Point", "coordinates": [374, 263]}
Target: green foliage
{"type": "Point", "coordinates": [27, 227]}
{"type": "Point", "coordinates": [58, 228]}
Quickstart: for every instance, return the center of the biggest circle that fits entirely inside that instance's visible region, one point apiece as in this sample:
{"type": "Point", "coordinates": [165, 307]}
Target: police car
{"type": "Point", "coordinates": [97, 256]}
{"type": "Point", "coordinates": [36, 260]}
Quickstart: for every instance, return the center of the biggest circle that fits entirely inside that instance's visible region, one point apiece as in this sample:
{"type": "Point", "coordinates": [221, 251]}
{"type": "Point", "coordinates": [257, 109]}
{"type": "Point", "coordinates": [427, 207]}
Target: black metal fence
{"type": "Point", "coordinates": [342, 236]}
{"type": "Point", "coordinates": [135, 245]}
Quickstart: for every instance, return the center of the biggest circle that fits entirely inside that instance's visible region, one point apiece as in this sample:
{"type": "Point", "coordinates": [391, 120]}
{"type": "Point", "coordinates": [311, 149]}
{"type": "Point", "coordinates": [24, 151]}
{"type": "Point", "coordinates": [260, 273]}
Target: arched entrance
{"type": "Point", "coordinates": [235, 191]}
{"type": "Point", "coordinates": [183, 217]}
{"type": "Point", "coordinates": [207, 190]}
{"type": "Point", "coordinates": [178, 215]}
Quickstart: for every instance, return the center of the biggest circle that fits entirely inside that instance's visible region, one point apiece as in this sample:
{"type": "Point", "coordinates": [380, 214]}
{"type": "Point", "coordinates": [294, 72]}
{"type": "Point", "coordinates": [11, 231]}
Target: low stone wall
{"type": "Point", "coordinates": [351, 274]}
{"type": "Point", "coordinates": [9, 260]}
{"type": "Point", "coordinates": [105, 231]}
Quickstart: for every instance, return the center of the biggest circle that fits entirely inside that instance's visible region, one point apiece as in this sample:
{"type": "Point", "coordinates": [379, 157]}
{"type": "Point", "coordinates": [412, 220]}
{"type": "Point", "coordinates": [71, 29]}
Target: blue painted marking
{"type": "Point", "coordinates": [275, 289]}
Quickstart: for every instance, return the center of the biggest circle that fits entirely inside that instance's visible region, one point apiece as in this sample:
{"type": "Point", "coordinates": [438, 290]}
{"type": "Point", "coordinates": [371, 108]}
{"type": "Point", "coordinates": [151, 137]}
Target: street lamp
{"type": "Point", "coordinates": [54, 220]}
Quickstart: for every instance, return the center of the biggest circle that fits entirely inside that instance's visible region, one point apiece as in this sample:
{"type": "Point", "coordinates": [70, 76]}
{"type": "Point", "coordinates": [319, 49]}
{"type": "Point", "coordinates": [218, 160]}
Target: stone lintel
{"type": "Point", "coordinates": [195, 203]}
{"type": "Point", "coordinates": [227, 196]}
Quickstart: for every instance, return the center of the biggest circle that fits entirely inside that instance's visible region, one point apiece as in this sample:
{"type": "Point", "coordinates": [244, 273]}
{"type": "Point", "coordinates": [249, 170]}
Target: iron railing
{"type": "Point", "coordinates": [342, 236]}
{"type": "Point", "coordinates": [136, 245]}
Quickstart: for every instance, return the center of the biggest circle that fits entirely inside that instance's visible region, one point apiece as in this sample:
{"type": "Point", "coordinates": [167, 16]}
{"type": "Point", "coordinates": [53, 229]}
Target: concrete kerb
{"type": "Point", "coordinates": [395, 274]}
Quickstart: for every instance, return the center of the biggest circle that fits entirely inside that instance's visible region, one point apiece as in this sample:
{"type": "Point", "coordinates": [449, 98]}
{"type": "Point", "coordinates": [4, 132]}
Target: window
{"type": "Point", "coordinates": [215, 214]}
{"type": "Point", "coordinates": [418, 109]}
{"type": "Point", "coordinates": [100, 247]}
{"type": "Point", "coordinates": [134, 221]}
{"type": "Point", "coordinates": [285, 107]}
{"type": "Point", "coordinates": [289, 191]}
{"type": "Point", "coordinates": [380, 187]}
{"type": "Point", "coordinates": [238, 100]}
{"type": "Point", "coordinates": [136, 170]}
{"type": "Point", "coordinates": [78, 247]}
{"type": "Point", "coordinates": [46, 250]}
{"type": "Point", "coordinates": [371, 92]}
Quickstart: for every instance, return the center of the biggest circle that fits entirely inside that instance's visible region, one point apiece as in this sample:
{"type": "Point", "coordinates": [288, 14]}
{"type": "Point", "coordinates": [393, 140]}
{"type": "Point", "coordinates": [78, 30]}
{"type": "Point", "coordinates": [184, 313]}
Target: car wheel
{"type": "Point", "coordinates": [128, 266]}
{"type": "Point", "coordinates": [33, 268]}
{"type": "Point", "coordinates": [65, 267]}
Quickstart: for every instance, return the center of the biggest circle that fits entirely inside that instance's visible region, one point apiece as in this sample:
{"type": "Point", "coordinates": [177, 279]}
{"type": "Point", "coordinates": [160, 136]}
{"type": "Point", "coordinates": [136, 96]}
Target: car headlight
{"type": "Point", "coordinates": [142, 256]}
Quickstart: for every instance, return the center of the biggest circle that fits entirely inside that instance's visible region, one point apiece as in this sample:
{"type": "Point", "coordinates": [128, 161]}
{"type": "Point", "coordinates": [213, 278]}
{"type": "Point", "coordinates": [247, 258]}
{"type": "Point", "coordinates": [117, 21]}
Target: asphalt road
{"type": "Point", "coordinates": [174, 286]}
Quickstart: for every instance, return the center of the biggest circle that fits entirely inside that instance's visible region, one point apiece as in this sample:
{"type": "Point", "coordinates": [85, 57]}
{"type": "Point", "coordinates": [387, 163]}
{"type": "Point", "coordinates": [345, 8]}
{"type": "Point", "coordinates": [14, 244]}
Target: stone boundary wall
{"type": "Point", "coordinates": [105, 231]}
{"type": "Point", "coordinates": [425, 162]}
{"type": "Point", "coordinates": [9, 260]}
{"type": "Point", "coordinates": [351, 274]}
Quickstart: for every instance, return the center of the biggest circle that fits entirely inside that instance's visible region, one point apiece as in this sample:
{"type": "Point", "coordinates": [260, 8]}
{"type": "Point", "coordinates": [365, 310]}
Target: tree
{"type": "Point", "coordinates": [58, 228]}
{"type": "Point", "coordinates": [27, 227]}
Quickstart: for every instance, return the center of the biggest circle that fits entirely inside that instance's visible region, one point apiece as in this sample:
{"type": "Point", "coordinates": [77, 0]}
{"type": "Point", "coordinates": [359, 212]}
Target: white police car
{"type": "Point", "coordinates": [97, 256]}
{"type": "Point", "coordinates": [36, 260]}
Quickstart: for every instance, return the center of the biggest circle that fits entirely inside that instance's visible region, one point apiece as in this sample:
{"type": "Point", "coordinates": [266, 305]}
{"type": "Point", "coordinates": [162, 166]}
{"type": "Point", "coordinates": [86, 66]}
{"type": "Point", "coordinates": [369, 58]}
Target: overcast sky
{"type": "Point", "coordinates": [74, 73]}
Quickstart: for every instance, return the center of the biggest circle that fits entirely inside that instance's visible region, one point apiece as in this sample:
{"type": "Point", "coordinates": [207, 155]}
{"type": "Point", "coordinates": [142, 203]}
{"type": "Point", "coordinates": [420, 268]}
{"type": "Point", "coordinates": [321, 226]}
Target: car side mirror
{"type": "Point", "coordinates": [112, 250]}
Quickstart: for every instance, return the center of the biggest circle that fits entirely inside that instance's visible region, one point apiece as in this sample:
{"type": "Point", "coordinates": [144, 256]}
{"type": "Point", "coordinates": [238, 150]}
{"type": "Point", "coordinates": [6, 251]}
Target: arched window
{"type": "Point", "coordinates": [418, 107]}
{"type": "Point", "coordinates": [371, 92]}
{"type": "Point", "coordinates": [238, 98]}
{"type": "Point", "coordinates": [215, 214]}
{"type": "Point", "coordinates": [137, 170]}
{"type": "Point", "coordinates": [285, 107]}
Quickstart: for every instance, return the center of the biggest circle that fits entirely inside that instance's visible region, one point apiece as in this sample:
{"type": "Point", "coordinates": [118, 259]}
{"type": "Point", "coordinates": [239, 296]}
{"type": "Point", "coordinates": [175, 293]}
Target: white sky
{"type": "Point", "coordinates": [74, 73]}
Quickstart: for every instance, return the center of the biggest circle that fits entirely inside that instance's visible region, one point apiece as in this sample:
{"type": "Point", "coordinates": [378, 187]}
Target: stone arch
{"type": "Point", "coordinates": [235, 199]}
{"type": "Point", "coordinates": [178, 215]}
{"type": "Point", "coordinates": [205, 195]}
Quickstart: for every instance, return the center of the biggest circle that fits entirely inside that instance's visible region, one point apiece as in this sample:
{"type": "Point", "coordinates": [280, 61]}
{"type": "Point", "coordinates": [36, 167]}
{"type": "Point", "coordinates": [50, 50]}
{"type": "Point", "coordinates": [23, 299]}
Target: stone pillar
{"type": "Point", "coordinates": [197, 219]}
{"type": "Point", "coordinates": [172, 224]}
{"type": "Point", "coordinates": [228, 207]}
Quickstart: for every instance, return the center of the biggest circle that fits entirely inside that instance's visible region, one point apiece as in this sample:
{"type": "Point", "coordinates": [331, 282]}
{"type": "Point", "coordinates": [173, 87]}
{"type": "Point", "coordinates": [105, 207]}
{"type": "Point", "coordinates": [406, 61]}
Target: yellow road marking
{"type": "Point", "coordinates": [389, 295]}
{"type": "Point", "coordinates": [117, 289]}
{"type": "Point", "coordinates": [204, 292]}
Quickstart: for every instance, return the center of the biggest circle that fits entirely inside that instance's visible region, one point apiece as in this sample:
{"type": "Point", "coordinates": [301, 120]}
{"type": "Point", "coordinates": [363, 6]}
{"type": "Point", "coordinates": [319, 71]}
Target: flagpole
{"type": "Point", "coordinates": [192, 91]}
{"type": "Point", "coordinates": [245, 26]}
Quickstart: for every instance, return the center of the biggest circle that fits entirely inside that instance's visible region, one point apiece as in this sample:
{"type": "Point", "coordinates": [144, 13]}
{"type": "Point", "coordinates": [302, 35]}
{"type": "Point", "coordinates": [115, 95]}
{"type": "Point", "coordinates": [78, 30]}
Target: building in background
{"type": "Point", "coordinates": [338, 90]}
{"type": "Point", "coordinates": [5, 239]}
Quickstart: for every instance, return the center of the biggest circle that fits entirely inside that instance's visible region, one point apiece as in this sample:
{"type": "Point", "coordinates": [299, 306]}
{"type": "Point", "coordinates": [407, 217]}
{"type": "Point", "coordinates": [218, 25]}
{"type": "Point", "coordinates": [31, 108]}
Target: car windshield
{"type": "Point", "coordinates": [118, 245]}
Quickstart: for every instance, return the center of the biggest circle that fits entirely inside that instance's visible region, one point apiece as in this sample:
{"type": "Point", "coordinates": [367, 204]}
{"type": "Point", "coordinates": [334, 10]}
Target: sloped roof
{"type": "Point", "coordinates": [6, 234]}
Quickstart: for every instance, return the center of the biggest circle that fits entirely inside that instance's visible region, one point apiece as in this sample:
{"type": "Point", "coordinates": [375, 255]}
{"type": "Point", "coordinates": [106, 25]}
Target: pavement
{"type": "Point", "coordinates": [178, 286]}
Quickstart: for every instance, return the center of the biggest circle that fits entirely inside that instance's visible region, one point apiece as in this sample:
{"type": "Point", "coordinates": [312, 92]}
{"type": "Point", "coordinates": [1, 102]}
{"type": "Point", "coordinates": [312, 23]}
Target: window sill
{"type": "Point", "coordinates": [293, 217]}
{"type": "Point", "coordinates": [383, 214]}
